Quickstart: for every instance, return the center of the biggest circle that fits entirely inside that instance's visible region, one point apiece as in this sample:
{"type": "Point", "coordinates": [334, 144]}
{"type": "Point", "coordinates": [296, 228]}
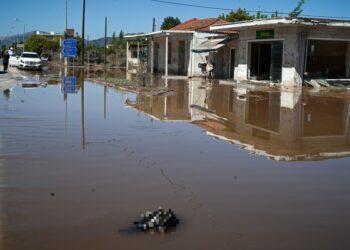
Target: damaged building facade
{"type": "Point", "coordinates": [170, 51]}
{"type": "Point", "coordinates": [285, 51]}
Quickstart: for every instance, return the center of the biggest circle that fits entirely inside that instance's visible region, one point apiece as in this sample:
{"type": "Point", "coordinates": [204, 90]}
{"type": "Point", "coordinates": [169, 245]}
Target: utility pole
{"type": "Point", "coordinates": [105, 61]}
{"type": "Point", "coordinates": [83, 35]}
{"type": "Point", "coordinates": [24, 31]}
{"type": "Point", "coordinates": [65, 34]}
{"type": "Point", "coordinates": [154, 25]}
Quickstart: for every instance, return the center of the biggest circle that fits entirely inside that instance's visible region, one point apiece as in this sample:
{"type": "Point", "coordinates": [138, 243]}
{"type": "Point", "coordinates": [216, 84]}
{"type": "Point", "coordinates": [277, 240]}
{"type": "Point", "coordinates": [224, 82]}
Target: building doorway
{"type": "Point", "coordinates": [155, 57]}
{"type": "Point", "coordinates": [266, 61]}
{"type": "Point", "coordinates": [232, 63]}
{"type": "Point", "coordinates": [181, 57]}
{"type": "Point", "coordinates": [326, 59]}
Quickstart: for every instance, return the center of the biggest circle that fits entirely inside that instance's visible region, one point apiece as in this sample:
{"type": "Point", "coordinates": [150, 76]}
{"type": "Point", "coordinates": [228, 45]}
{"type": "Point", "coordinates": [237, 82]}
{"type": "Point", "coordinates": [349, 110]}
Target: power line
{"type": "Point", "coordinates": [210, 7]}
{"type": "Point", "coordinates": [250, 11]}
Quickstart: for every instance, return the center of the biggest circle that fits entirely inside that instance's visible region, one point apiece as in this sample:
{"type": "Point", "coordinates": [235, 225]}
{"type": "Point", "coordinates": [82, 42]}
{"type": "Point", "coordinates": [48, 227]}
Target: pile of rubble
{"type": "Point", "coordinates": [327, 83]}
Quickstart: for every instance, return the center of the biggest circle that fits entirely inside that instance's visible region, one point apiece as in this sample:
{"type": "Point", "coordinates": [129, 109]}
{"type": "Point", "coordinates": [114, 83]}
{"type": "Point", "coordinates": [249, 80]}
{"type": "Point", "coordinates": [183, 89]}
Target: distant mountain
{"type": "Point", "coordinates": [7, 40]}
{"type": "Point", "coordinates": [100, 42]}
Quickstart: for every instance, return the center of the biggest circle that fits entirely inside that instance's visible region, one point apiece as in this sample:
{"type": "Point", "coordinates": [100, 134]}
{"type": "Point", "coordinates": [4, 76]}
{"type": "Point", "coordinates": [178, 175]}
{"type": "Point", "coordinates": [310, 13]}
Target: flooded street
{"type": "Point", "coordinates": [242, 167]}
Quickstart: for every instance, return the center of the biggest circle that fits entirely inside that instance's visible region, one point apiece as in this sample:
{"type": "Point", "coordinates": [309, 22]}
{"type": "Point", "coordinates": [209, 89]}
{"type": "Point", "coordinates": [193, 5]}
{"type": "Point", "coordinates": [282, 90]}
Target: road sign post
{"type": "Point", "coordinates": [69, 48]}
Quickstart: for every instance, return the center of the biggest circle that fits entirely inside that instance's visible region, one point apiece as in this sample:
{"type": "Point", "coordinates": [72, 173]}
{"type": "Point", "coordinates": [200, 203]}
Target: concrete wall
{"type": "Point", "coordinates": [222, 60]}
{"type": "Point", "coordinates": [197, 58]}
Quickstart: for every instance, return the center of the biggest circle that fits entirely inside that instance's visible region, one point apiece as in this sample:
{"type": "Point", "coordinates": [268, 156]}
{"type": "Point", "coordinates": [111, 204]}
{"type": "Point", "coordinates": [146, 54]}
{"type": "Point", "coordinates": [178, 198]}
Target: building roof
{"type": "Point", "coordinates": [196, 24]}
{"type": "Point", "coordinates": [237, 26]}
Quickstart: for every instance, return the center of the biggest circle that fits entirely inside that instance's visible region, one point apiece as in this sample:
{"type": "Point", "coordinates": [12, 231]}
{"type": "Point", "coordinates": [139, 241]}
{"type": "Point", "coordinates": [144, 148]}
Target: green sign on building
{"type": "Point", "coordinates": [265, 34]}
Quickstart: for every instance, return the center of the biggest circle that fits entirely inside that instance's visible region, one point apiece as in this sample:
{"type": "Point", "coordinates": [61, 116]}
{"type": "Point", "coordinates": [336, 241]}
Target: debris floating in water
{"type": "Point", "coordinates": [158, 221]}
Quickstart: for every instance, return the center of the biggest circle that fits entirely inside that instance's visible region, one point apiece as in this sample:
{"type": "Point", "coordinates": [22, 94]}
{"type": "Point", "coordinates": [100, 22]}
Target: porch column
{"type": "Point", "coordinates": [152, 55]}
{"type": "Point", "coordinates": [138, 55]}
{"type": "Point", "coordinates": [166, 53]}
{"type": "Point", "coordinates": [165, 108]}
{"type": "Point", "coordinates": [127, 56]}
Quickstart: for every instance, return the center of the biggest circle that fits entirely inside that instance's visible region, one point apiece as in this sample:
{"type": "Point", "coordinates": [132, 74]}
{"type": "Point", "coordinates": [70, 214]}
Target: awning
{"type": "Point", "coordinates": [211, 45]}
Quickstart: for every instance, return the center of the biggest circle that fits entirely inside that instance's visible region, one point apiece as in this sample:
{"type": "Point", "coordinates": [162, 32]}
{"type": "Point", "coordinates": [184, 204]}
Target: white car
{"type": "Point", "coordinates": [29, 60]}
{"type": "Point", "coordinates": [13, 61]}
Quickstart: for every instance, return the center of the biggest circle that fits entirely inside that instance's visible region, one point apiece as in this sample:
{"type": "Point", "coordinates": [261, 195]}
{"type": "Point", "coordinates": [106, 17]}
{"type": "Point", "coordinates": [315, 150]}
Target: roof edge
{"type": "Point", "coordinates": [282, 21]}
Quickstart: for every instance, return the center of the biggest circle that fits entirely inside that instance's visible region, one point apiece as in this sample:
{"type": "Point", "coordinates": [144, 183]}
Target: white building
{"type": "Point", "coordinates": [171, 51]}
{"type": "Point", "coordinates": [285, 50]}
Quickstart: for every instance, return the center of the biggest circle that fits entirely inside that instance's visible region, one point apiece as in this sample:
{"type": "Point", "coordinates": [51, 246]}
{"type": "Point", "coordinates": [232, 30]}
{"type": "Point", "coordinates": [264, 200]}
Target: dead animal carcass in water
{"type": "Point", "coordinates": [158, 221]}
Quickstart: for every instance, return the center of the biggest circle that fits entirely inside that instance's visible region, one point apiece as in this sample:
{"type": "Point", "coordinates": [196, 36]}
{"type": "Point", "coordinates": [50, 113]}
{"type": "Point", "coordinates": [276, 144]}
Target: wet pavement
{"type": "Point", "coordinates": [243, 168]}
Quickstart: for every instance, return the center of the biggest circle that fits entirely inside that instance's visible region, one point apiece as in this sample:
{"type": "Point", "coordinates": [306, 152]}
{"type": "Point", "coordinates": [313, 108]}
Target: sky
{"type": "Point", "coordinates": [136, 15]}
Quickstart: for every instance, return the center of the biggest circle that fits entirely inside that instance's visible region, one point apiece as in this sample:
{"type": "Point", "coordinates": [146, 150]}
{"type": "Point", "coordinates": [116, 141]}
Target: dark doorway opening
{"type": "Point", "coordinates": [232, 63]}
{"type": "Point", "coordinates": [181, 57]}
{"type": "Point", "coordinates": [155, 57]}
{"type": "Point", "coordinates": [326, 59]}
{"type": "Point", "coordinates": [266, 61]}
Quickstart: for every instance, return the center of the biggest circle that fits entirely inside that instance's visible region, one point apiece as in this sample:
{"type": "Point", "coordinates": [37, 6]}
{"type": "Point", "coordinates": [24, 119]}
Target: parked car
{"type": "Point", "coordinates": [13, 61]}
{"type": "Point", "coordinates": [29, 60]}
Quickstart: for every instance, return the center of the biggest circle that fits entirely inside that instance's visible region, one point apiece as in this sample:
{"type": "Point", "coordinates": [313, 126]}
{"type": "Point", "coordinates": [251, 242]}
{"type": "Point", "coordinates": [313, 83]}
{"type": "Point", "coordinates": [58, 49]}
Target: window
{"type": "Point", "coordinates": [134, 54]}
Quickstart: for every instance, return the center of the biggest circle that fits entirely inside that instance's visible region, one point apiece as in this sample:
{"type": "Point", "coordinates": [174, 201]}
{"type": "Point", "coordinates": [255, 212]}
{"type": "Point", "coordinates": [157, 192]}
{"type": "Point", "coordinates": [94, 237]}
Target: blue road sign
{"type": "Point", "coordinates": [69, 48]}
{"type": "Point", "coordinates": [69, 52]}
{"type": "Point", "coordinates": [71, 43]}
{"type": "Point", "coordinates": [69, 85]}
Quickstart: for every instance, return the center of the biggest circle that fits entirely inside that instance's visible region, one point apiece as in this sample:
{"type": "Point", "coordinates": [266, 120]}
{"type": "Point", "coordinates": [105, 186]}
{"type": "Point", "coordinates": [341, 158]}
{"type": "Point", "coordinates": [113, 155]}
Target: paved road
{"type": "Point", "coordinates": [10, 78]}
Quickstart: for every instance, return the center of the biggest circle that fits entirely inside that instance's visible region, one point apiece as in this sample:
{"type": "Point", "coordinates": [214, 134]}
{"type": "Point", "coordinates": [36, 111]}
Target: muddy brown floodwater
{"type": "Point", "coordinates": [243, 168]}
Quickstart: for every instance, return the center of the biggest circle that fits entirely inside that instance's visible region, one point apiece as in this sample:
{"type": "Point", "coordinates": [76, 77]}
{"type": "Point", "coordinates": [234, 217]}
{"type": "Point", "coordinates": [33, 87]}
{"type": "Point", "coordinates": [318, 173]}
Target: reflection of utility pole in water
{"type": "Point", "coordinates": [165, 101]}
{"type": "Point", "coordinates": [105, 102]}
{"type": "Point", "coordinates": [65, 110]}
{"type": "Point", "coordinates": [82, 111]}
{"type": "Point", "coordinates": [105, 97]}
{"type": "Point", "coordinates": [65, 96]}
{"type": "Point", "coordinates": [105, 55]}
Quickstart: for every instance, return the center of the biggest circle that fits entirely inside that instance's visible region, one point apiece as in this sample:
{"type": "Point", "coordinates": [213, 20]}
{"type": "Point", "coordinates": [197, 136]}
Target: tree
{"type": "Point", "coordinates": [41, 44]}
{"type": "Point", "coordinates": [170, 22]}
{"type": "Point", "coordinates": [236, 16]}
{"type": "Point", "coordinates": [121, 40]}
{"type": "Point", "coordinates": [297, 10]}
{"type": "Point", "coordinates": [114, 39]}
{"type": "Point", "coordinates": [121, 35]}
{"type": "Point", "coordinates": [259, 15]}
{"type": "Point", "coordinates": [79, 42]}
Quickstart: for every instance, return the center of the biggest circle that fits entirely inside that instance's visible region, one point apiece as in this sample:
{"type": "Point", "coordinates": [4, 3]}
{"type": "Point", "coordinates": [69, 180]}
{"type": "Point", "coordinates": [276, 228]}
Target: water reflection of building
{"type": "Point", "coordinates": [167, 108]}
{"type": "Point", "coordinates": [277, 124]}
